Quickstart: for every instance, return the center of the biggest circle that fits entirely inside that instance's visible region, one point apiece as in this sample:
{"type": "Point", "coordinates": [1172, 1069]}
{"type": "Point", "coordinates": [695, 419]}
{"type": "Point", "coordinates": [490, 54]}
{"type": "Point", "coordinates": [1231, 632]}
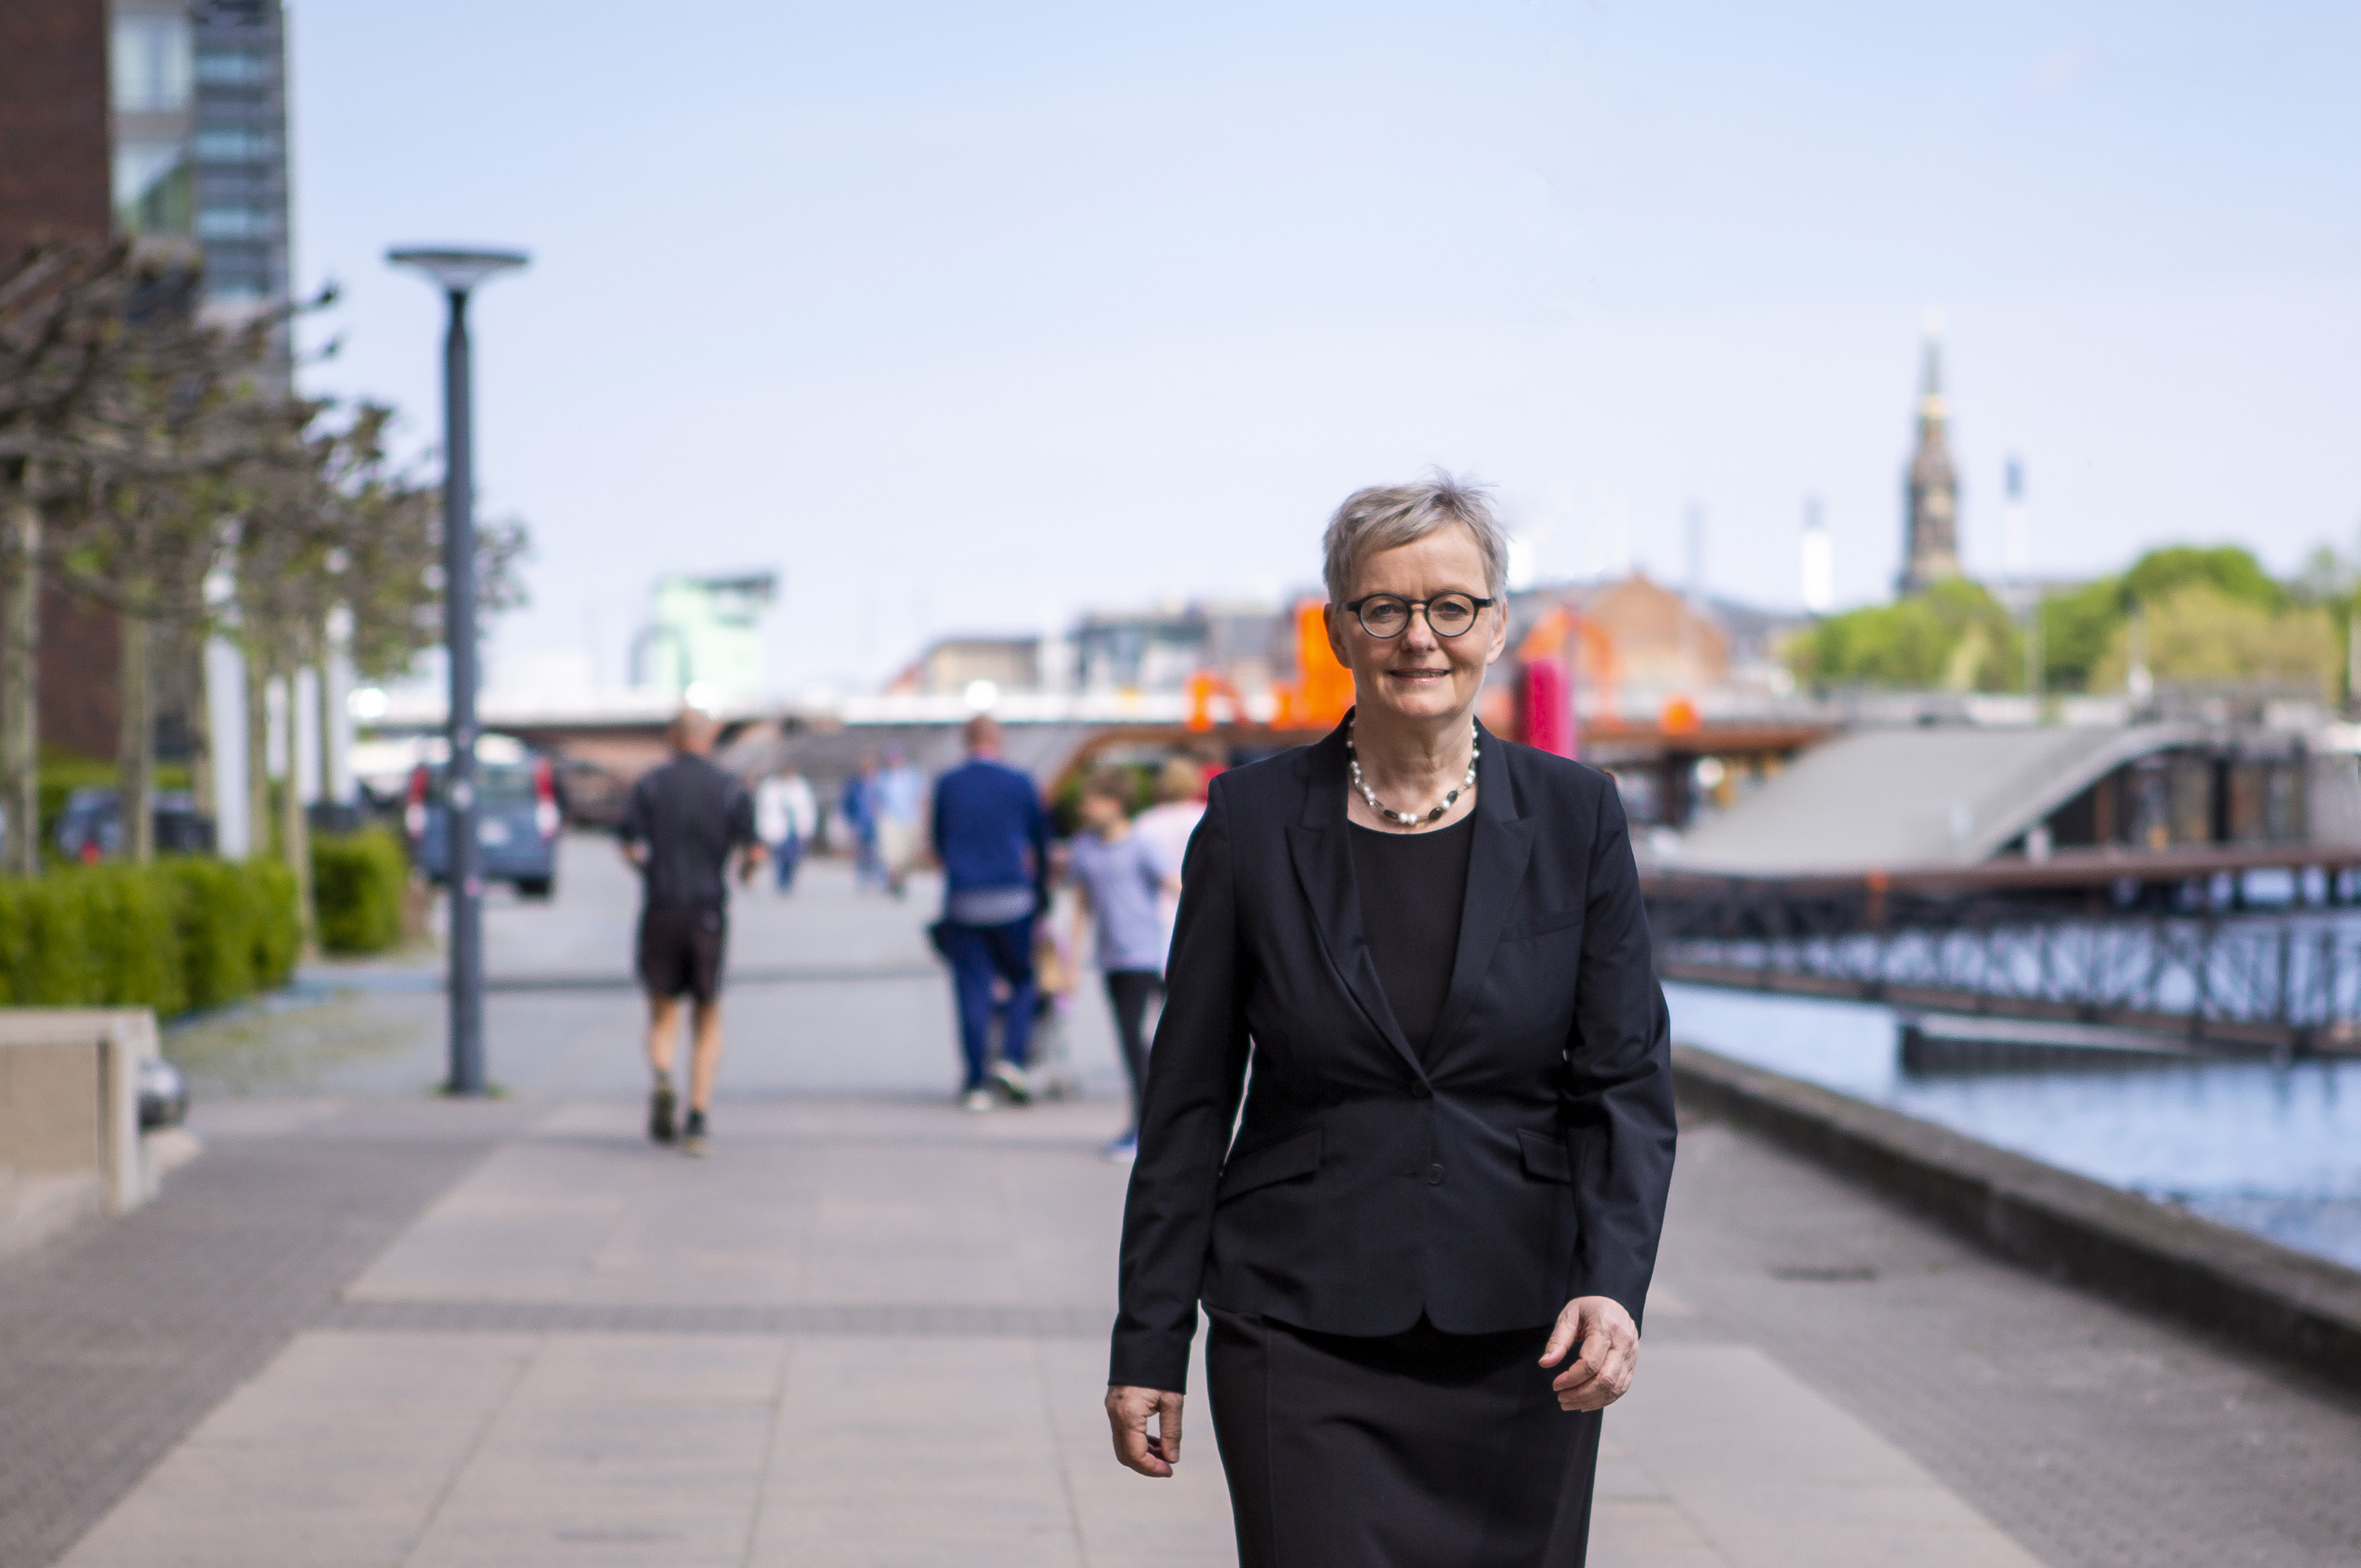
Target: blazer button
{"type": "Point", "coordinates": [1434, 1176]}
{"type": "Point", "coordinates": [1420, 1090]}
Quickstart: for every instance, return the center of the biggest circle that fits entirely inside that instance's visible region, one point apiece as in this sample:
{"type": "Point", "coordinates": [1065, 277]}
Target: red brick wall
{"type": "Point", "coordinates": [55, 177]}
{"type": "Point", "coordinates": [81, 709]}
{"type": "Point", "coordinates": [54, 160]}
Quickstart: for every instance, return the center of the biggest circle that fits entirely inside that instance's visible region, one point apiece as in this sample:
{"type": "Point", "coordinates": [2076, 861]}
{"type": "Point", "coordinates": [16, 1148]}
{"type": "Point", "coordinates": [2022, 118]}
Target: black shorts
{"type": "Point", "coordinates": [680, 951]}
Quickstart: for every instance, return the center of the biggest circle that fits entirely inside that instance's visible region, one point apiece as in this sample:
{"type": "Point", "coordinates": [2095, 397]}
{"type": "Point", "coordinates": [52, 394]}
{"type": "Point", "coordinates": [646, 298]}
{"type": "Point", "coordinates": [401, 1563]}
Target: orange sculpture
{"type": "Point", "coordinates": [1323, 688]}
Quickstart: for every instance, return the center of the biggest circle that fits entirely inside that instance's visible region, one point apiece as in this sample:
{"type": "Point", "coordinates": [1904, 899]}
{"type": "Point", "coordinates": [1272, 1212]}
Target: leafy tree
{"type": "Point", "coordinates": [2230, 570]}
{"type": "Point", "coordinates": [2197, 634]}
{"type": "Point", "coordinates": [329, 531]}
{"type": "Point", "coordinates": [143, 452]}
{"type": "Point", "coordinates": [2080, 626]}
{"type": "Point", "coordinates": [1952, 636]}
{"type": "Point", "coordinates": [63, 310]}
{"type": "Point", "coordinates": [185, 426]}
{"type": "Point", "coordinates": [2076, 628]}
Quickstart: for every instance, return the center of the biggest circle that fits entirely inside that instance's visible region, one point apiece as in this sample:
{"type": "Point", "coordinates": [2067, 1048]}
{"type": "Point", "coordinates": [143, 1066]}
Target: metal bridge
{"type": "Point", "coordinates": [2160, 942]}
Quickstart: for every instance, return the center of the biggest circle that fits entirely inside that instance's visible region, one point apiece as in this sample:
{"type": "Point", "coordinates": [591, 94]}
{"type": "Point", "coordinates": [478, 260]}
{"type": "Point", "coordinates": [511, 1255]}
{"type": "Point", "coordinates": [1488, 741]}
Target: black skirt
{"type": "Point", "coordinates": [1415, 1451]}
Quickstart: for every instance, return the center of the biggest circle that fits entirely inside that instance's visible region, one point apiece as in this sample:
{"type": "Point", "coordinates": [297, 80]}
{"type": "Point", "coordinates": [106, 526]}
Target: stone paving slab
{"type": "Point", "coordinates": [2092, 1434]}
{"type": "Point", "coordinates": [652, 1441]}
{"type": "Point", "coordinates": [798, 1204]}
{"type": "Point", "coordinates": [1762, 1472]}
{"type": "Point", "coordinates": [115, 1340]}
{"type": "Point", "coordinates": [1819, 1383]}
{"type": "Point", "coordinates": [869, 1330]}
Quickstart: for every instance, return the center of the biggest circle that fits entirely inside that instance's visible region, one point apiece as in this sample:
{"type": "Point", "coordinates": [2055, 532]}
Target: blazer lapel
{"type": "Point", "coordinates": [1496, 868]}
{"type": "Point", "coordinates": [1323, 865]}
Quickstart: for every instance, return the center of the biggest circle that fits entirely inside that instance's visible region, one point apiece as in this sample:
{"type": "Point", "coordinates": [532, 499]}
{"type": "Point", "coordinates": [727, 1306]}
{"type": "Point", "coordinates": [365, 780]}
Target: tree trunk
{"type": "Point", "coordinates": [258, 753]}
{"type": "Point", "coordinates": [189, 645]}
{"type": "Point", "coordinates": [20, 729]}
{"type": "Point", "coordinates": [135, 747]}
{"type": "Point", "coordinates": [295, 835]}
{"type": "Point", "coordinates": [325, 691]}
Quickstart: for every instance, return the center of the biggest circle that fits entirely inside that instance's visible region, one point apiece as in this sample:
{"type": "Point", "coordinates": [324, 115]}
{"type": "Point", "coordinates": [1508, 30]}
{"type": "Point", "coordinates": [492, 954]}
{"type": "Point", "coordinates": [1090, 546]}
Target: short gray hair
{"type": "Point", "coordinates": [1386, 517]}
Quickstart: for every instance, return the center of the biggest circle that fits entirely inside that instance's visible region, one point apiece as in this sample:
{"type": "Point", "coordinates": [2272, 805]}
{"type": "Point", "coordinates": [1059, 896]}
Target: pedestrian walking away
{"type": "Point", "coordinates": [1417, 952]}
{"type": "Point", "coordinates": [992, 837]}
{"type": "Point", "coordinates": [1119, 874]}
{"type": "Point", "coordinates": [858, 806]}
{"type": "Point", "coordinates": [684, 823]}
{"type": "Point", "coordinates": [787, 813]}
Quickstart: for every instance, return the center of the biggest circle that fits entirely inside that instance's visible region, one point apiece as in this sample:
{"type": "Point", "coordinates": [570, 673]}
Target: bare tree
{"type": "Point", "coordinates": [188, 424]}
{"type": "Point", "coordinates": [62, 320]}
{"type": "Point", "coordinates": [146, 454]}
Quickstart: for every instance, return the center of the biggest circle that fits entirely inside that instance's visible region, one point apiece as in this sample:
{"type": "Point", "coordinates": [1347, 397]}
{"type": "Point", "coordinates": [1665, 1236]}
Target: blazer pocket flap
{"type": "Point", "coordinates": [1547, 920]}
{"type": "Point", "coordinates": [1545, 1156]}
{"type": "Point", "coordinates": [1281, 1161]}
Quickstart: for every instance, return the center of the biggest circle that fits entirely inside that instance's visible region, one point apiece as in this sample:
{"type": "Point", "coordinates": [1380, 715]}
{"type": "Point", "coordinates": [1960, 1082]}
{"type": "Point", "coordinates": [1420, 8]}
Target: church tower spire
{"type": "Point", "coordinates": [1930, 519]}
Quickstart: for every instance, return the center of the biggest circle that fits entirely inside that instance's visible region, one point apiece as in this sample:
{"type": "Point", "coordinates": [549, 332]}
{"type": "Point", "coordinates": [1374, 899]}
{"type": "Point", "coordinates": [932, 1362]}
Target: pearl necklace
{"type": "Point", "coordinates": [1353, 762]}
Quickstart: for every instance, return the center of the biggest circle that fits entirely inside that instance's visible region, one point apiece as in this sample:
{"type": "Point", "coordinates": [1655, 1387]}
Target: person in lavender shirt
{"type": "Point", "coordinates": [1119, 876]}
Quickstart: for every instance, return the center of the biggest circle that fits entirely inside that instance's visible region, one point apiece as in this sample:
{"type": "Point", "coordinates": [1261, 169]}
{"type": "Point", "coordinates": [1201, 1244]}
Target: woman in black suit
{"type": "Point", "coordinates": [1425, 1251]}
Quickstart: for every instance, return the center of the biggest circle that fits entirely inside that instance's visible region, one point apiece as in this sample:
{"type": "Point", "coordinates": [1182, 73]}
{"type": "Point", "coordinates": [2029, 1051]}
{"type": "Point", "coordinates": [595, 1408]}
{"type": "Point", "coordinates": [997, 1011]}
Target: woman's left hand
{"type": "Point", "coordinates": [1610, 1350]}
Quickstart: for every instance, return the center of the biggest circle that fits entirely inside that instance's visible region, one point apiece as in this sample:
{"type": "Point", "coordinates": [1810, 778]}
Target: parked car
{"type": "Point", "coordinates": [517, 817]}
{"type": "Point", "coordinates": [91, 828]}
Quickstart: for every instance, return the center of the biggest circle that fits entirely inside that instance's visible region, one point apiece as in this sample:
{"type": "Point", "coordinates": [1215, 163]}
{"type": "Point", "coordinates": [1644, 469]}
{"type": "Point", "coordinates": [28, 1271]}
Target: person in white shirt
{"type": "Point", "coordinates": [1180, 803]}
{"type": "Point", "coordinates": [787, 813]}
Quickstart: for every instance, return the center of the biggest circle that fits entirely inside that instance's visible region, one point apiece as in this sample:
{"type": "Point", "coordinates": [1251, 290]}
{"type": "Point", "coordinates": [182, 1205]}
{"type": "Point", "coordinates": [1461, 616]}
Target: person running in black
{"type": "Point", "coordinates": [684, 821]}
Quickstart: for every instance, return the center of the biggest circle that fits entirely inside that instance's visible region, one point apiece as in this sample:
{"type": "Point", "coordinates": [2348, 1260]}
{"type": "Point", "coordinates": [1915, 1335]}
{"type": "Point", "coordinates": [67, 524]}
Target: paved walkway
{"type": "Point", "coordinates": [370, 1328]}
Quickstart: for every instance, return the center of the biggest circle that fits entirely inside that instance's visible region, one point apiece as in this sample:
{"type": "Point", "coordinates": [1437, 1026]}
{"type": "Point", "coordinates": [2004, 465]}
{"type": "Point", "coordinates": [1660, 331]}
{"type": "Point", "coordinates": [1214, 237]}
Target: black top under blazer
{"type": "Point", "coordinates": [1521, 1161]}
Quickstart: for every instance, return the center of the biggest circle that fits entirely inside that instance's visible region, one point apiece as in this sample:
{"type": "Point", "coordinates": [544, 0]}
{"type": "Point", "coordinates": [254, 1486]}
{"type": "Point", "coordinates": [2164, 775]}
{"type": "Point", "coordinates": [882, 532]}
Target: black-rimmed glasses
{"type": "Point", "coordinates": [1387, 616]}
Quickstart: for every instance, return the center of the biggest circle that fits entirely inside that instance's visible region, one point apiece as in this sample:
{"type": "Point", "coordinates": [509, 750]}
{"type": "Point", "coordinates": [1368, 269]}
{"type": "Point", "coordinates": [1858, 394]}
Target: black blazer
{"type": "Point", "coordinates": [1521, 1162]}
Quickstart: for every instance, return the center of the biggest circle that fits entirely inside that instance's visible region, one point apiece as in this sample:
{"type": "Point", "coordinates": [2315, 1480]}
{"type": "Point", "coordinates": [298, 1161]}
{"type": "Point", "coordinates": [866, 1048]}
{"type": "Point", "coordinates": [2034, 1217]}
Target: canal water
{"type": "Point", "coordinates": [2271, 1149]}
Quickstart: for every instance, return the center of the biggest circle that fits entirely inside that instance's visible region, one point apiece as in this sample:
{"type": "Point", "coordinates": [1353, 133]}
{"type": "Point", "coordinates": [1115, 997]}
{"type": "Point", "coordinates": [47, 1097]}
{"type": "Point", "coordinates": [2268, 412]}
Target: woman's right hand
{"type": "Point", "coordinates": [1127, 1411]}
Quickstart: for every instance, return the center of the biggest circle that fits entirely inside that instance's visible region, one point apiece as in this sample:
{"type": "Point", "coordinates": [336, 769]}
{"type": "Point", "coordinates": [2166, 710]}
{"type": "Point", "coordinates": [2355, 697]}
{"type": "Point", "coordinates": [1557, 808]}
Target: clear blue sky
{"type": "Point", "coordinates": [963, 317]}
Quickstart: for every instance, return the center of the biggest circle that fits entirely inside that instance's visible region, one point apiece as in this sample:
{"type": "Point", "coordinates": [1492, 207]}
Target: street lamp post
{"type": "Point", "coordinates": [457, 271]}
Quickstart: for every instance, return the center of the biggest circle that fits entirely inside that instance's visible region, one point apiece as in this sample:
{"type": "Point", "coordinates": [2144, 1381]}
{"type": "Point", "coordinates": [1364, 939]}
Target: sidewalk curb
{"type": "Point", "coordinates": [2287, 1304]}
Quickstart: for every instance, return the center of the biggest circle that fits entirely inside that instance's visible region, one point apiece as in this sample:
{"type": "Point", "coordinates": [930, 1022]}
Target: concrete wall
{"type": "Point", "coordinates": [70, 1140]}
{"type": "Point", "coordinates": [2301, 1309]}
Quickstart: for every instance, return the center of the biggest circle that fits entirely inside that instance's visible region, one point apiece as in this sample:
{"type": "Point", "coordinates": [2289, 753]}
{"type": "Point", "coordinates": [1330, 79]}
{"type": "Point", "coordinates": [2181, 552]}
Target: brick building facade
{"type": "Point", "coordinates": [54, 160]}
{"type": "Point", "coordinates": [56, 176]}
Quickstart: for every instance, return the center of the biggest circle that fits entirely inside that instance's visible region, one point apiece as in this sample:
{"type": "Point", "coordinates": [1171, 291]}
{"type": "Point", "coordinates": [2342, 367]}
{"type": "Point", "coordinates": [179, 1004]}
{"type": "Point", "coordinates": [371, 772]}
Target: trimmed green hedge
{"type": "Point", "coordinates": [356, 885]}
{"type": "Point", "coordinates": [184, 933]}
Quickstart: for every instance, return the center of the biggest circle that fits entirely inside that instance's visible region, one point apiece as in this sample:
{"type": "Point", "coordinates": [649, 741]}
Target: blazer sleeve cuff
{"type": "Point", "coordinates": [1627, 1289]}
{"type": "Point", "coordinates": [1149, 1360]}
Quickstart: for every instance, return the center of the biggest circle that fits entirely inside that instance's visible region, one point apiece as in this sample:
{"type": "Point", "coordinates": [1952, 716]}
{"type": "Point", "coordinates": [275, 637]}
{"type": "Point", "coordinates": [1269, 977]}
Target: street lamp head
{"type": "Point", "coordinates": [455, 268]}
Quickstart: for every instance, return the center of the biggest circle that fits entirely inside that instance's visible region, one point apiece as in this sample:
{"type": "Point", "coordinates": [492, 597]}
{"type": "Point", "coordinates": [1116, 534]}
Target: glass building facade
{"type": "Point", "coordinates": [200, 119]}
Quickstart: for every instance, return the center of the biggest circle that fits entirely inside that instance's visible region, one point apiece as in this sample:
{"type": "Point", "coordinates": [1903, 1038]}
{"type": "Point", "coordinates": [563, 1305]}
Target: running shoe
{"type": "Point", "coordinates": [660, 1110]}
{"type": "Point", "coordinates": [977, 1099]}
{"type": "Point", "coordinates": [1013, 1082]}
{"type": "Point", "coordinates": [692, 1138]}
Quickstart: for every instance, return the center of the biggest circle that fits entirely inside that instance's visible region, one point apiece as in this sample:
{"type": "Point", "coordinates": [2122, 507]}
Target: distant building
{"type": "Point", "coordinates": [1663, 643]}
{"type": "Point", "coordinates": [1931, 527]}
{"type": "Point", "coordinates": [163, 122]}
{"type": "Point", "coordinates": [199, 93]}
{"type": "Point", "coordinates": [53, 129]}
{"type": "Point", "coordinates": [705, 632]}
{"type": "Point", "coordinates": [1638, 645]}
{"type": "Point", "coordinates": [952, 665]}
{"type": "Point", "coordinates": [54, 187]}
{"type": "Point", "coordinates": [1161, 650]}
{"type": "Point", "coordinates": [1958, 795]}
{"type": "Point", "coordinates": [1818, 562]}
